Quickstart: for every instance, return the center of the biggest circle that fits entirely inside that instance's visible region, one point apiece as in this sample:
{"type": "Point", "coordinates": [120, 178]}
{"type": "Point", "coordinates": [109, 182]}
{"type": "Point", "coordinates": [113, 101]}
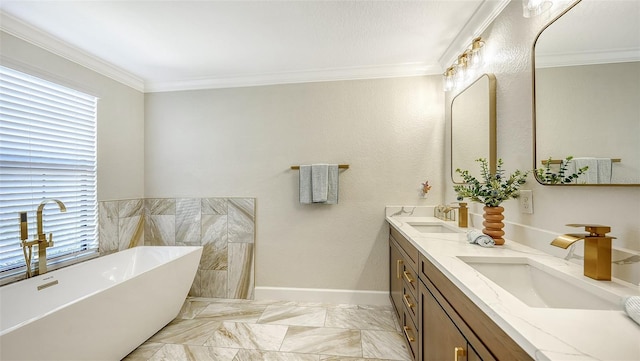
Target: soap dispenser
{"type": "Point", "coordinates": [463, 215]}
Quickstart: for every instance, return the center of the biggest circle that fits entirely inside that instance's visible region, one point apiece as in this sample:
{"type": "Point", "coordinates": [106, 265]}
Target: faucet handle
{"type": "Point", "coordinates": [593, 229]}
{"type": "Point", "coordinates": [24, 226]}
{"type": "Point", "coordinates": [50, 243]}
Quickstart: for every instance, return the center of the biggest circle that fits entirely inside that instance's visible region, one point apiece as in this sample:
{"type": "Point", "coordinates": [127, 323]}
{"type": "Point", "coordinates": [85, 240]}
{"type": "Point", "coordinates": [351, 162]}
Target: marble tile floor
{"type": "Point", "coordinates": [243, 330]}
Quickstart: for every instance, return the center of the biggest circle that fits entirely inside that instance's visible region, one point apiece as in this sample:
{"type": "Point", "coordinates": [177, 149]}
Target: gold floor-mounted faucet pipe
{"type": "Point", "coordinates": [41, 241]}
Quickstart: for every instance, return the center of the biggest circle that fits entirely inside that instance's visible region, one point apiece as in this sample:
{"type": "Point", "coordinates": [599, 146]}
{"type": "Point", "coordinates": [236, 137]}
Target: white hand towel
{"type": "Point", "coordinates": [476, 237]}
{"type": "Point", "coordinates": [305, 184]}
{"type": "Point", "coordinates": [319, 182]}
{"type": "Point", "coordinates": [590, 176]}
{"type": "Point", "coordinates": [632, 307]}
{"type": "Point", "coordinates": [332, 192]}
{"type": "Point", "coordinates": [604, 170]}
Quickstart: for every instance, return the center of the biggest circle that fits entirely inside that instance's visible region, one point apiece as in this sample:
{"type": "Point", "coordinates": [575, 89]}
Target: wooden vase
{"type": "Point", "coordinates": [493, 223]}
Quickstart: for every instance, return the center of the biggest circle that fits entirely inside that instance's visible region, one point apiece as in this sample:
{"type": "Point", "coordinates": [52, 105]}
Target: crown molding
{"type": "Point", "coordinates": [484, 15]}
{"type": "Point", "coordinates": [352, 73]}
{"type": "Point", "coordinates": [35, 36]}
{"type": "Point", "coordinates": [587, 58]}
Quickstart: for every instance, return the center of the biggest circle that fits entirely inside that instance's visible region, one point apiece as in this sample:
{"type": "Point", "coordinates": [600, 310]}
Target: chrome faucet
{"type": "Point", "coordinates": [41, 241]}
{"type": "Point", "coordinates": [597, 249]}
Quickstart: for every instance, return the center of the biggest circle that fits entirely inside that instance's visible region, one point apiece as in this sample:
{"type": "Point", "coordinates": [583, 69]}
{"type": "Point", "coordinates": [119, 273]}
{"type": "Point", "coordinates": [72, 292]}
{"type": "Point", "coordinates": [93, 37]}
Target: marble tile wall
{"type": "Point", "coordinates": [120, 225]}
{"type": "Point", "coordinates": [225, 227]}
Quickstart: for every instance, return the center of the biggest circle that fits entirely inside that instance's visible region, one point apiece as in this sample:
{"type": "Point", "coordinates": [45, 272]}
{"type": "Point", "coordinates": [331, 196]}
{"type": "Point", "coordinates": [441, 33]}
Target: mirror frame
{"type": "Point", "coordinates": [533, 109]}
{"type": "Point", "coordinates": [492, 124]}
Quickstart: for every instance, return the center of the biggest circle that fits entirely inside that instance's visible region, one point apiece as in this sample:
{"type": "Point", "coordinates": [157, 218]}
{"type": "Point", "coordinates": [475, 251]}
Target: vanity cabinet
{"type": "Point", "coordinates": [485, 339]}
{"type": "Point", "coordinates": [439, 321]}
{"type": "Point", "coordinates": [441, 338]}
{"type": "Point", "coordinates": [403, 286]}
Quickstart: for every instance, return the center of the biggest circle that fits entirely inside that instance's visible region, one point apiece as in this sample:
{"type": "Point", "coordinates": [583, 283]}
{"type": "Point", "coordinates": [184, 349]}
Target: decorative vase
{"type": "Point", "coordinates": [493, 223]}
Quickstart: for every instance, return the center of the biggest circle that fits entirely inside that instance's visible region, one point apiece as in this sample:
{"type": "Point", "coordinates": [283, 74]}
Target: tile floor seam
{"type": "Point", "coordinates": [326, 314]}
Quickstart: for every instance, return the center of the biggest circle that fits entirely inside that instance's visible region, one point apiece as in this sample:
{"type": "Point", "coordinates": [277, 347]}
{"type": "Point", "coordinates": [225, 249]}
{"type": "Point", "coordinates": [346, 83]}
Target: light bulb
{"type": "Point", "coordinates": [448, 79]}
{"type": "Point", "coordinates": [532, 8]}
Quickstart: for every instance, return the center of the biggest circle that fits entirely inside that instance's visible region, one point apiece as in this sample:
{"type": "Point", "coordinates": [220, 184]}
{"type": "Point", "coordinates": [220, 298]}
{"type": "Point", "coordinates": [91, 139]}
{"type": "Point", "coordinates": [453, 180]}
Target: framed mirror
{"type": "Point", "coordinates": [473, 127]}
{"type": "Point", "coordinates": [586, 94]}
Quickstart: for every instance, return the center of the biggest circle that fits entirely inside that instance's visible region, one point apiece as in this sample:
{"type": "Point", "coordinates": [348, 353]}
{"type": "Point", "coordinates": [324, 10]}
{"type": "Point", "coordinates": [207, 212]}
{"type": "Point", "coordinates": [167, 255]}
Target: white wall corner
{"type": "Point", "coordinates": [35, 36]}
{"type": "Point", "coordinates": [321, 295]}
{"type": "Point", "coordinates": [481, 19]}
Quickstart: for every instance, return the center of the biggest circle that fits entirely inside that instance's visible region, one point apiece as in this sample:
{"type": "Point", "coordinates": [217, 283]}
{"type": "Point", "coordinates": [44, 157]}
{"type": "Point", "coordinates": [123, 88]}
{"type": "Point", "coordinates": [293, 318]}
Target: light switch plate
{"type": "Point", "coordinates": [526, 201]}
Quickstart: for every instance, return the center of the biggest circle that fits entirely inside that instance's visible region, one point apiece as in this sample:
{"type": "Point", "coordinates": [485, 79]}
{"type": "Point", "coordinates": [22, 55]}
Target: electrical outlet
{"type": "Point", "coordinates": [526, 201]}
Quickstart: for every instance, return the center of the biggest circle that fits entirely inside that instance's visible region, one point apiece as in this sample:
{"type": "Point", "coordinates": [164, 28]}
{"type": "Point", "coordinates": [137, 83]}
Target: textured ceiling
{"type": "Point", "coordinates": [190, 44]}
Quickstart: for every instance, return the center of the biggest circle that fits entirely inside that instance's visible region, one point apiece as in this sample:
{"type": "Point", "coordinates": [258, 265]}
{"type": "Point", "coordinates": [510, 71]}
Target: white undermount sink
{"type": "Point", "coordinates": [432, 227]}
{"type": "Point", "coordinates": [540, 286]}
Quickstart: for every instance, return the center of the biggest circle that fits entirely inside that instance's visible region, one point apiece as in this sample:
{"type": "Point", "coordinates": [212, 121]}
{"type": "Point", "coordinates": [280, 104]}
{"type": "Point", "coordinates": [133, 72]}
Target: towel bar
{"type": "Point", "coordinates": [340, 166]}
{"type": "Point", "coordinates": [557, 161]}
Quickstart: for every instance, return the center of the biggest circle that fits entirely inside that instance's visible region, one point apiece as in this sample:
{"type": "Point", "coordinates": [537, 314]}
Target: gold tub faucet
{"type": "Point", "coordinates": [597, 249]}
{"type": "Point", "coordinates": [42, 241]}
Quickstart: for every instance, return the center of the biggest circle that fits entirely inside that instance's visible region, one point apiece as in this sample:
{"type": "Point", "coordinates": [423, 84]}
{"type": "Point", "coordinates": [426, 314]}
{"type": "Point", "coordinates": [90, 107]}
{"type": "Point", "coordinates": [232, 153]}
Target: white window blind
{"type": "Point", "coordinates": [47, 150]}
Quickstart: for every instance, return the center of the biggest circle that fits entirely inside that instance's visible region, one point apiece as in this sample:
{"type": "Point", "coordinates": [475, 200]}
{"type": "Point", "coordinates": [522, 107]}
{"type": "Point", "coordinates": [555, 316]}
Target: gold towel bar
{"type": "Point", "coordinates": [557, 161]}
{"type": "Point", "coordinates": [340, 166]}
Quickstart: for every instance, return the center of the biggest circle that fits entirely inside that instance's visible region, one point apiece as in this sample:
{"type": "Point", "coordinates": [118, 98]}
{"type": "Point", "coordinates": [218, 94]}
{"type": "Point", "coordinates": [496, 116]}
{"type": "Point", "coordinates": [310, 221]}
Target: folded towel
{"type": "Point", "coordinates": [319, 184]}
{"type": "Point", "coordinates": [591, 174]}
{"type": "Point", "coordinates": [333, 184]}
{"type": "Point", "coordinates": [604, 170]}
{"type": "Point", "coordinates": [632, 307]}
{"type": "Point", "coordinates": [305, 184]}
{"type": "Point", "coordinates": [476, 237]}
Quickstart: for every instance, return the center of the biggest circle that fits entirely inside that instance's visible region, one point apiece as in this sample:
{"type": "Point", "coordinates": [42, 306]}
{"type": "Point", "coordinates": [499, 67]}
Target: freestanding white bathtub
{"type": "Point", "coordinates": [101, 309]}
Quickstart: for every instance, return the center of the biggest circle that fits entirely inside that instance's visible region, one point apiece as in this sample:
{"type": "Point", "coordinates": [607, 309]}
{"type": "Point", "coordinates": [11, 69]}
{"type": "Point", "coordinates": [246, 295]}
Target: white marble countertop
{"type": "Point", "coordinates": [544, 333]}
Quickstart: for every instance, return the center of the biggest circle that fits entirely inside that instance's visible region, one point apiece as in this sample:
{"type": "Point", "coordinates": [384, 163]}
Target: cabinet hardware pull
{"type": "Point", "coordinates": [406, 300]}
{"type": "Point", "coordinates": [407, 275]}
{"type": "Point", "coordinates": [406, 333]}
{"type": "Point", "coordinates": [458, 351]}
{"type": "Point", "coordinates": [398, 266]}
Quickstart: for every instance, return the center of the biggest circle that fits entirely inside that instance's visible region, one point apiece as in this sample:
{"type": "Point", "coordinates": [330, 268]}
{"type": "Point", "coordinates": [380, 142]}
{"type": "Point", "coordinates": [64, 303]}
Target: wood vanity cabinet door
{"type": "Point", "coordinates": [395, 277]}
{"type": "Point", "coordinates": [472, 355]}
{"type": "Point", "coordinates": [438, 335]}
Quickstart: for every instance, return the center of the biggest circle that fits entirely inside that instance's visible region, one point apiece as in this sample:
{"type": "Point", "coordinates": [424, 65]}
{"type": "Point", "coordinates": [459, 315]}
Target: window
{"type": "Point", "coordinates": [47, 150]}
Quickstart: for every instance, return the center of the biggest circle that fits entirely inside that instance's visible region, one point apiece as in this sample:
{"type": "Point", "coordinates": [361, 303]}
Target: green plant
{"type": "Point", "coordinates": [496, 187]}
{"type": "Point", "coordinates": [547, 176]}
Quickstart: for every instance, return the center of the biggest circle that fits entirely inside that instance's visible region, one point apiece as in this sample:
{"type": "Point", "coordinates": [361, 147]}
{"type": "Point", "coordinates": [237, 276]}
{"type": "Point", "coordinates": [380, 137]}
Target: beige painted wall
{"type": "Point", "coordinates": [120, 114]}
{"type": "Point", "coordinates": [241, 142]}
{"type": "Point", "coordinates": [509, 39]}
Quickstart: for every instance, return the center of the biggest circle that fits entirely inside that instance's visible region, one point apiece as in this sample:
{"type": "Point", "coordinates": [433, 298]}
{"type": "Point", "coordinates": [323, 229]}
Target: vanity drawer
{"type": "Point", "coordinates": [410, 280]}
{"type": "Point", "coordinates": [410, 303]}
{"type": "Point", "coordinates": [411, 334]}
{"type": "Point", "coordinates": [407, 247]}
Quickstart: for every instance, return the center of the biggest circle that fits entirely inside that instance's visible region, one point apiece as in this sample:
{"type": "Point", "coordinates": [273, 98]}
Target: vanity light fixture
{"type": "Point", "coordinates": [476, 53]}
{"type": "Point", "coordinates": [533, 8]}
{"type": "Point", "coordinates": [462, 70]}
{"type": "Point", "coordinates": [449, 79]}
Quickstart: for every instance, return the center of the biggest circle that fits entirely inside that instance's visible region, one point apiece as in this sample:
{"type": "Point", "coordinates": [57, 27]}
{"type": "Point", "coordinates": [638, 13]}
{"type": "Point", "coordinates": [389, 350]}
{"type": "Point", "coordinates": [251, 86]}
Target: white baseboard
{"type": "Point", "coordinates": [321, 295]}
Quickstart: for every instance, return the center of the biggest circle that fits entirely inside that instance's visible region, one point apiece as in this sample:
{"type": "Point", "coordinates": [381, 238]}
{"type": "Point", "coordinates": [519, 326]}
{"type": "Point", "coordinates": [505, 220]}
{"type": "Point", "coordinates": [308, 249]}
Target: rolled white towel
{"type": "Point", "coordinates": [479, 238]}
{"type": "Point", "coordinates": [632, 307]}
